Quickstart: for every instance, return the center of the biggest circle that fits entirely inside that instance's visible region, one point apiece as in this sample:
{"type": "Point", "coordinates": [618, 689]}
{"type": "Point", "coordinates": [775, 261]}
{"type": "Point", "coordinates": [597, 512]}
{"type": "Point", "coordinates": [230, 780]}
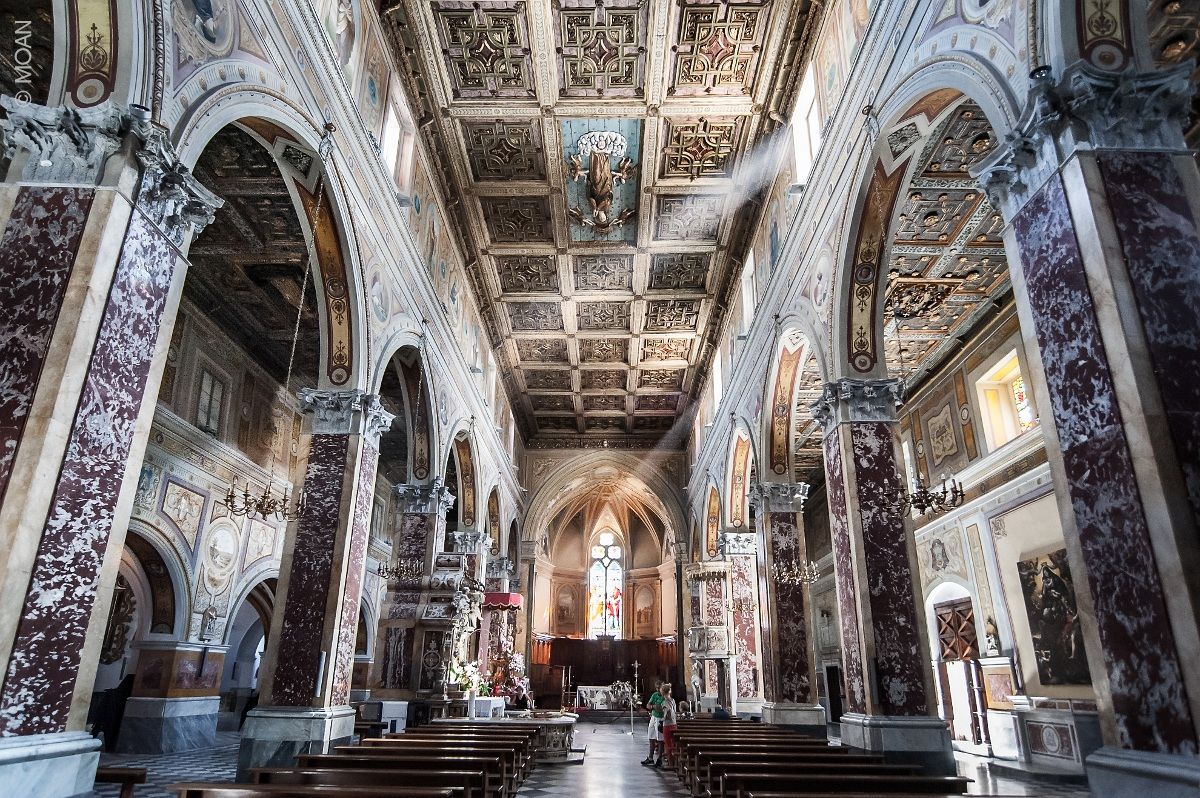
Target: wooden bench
{"type": "Point", "coordinates": [492, 766]}
{"type": "Point", "coordinates": [510, 770]}
{"type": "Point", "coordinates": [709, 782]}
{"type": "Point", "coordinates": [687, 750]}
{"type": "Point", "coordinates": [461, 782]}
{"type": "Point", "coordinates": [126, 777]}
{"type": "Point", "coordinates": [740, 783]}
{"type": "Point", "coordinates": [214, 790]}
{"type": "Point", "coordinates": [521, 745]}
{"type": "Point", "coordinates": [698, 773]}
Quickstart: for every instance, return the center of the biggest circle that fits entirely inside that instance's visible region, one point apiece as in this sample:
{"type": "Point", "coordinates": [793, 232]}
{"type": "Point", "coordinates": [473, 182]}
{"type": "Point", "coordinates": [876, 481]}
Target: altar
{"type": "Point", "coordinates": [555, 736]}
{"type": "Point", "coordinates": [594, 696]}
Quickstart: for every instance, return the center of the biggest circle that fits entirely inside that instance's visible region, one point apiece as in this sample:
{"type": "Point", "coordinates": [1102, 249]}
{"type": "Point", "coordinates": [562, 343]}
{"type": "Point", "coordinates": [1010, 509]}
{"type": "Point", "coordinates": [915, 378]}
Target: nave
{"type": "Point", "coordinates": [608, 770]}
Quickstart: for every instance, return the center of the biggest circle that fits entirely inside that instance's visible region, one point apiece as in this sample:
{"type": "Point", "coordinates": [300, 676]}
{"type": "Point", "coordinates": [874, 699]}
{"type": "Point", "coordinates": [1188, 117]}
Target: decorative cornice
{"type": "Point", "coordinates": [431, 499]}
{"type": "Point", "coordinates": [345, 413]}
{"type": "Point", "coordinates": [849, 401]}
{"type": "Point", "coordinates": [778, 497]}
{"type": "Point", "coordinates": [1088, 109]}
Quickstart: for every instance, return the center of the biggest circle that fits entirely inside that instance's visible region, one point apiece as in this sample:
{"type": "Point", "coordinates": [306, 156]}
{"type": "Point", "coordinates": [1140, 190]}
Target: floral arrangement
{"type": "Point", "coordinates": [469, 677]}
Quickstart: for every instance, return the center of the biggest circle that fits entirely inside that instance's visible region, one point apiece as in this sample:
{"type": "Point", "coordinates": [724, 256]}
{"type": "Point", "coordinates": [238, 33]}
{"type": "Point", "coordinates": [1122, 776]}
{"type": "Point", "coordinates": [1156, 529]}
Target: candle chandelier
{"type": "Point", "coordinates": [265, 505]}
{"type": "Point", "coordinates": [924, 499]}
{"type": "Point", "coordinates": [405, 569]}
{"type": "Point", "coordinates": [794, 573]}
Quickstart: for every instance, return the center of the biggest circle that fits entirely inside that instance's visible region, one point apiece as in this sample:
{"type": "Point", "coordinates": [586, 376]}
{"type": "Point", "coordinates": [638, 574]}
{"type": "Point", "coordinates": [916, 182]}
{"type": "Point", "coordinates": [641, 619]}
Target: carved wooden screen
{"type": "Point", "coordinates": [956, 630]}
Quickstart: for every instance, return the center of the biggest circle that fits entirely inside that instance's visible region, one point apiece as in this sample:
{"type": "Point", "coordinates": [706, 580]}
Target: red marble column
{"type": "Point", "coordinates": [1100, 194]}
{"type": "Point", "coordinates": [888, 681]}
{"type": "Point", "coordinates": [419, 511]}
{"type": "Point", "coordinates": [311, 650]}
{"type": "Point", "coordinates": [788, 653]}
{"type": "Point", "coordinates": [89, 279]}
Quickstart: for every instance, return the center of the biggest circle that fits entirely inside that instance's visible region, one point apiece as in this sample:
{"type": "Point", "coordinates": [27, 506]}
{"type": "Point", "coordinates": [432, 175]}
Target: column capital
{"type": "Point", "coordinates": [499, 568]}
{"type": "Point", "coordinates": [61, 144]}
{"type": "Point", "coordinates": [737, 542]}
{"type": "Point", "coordinates": [345, 413]}
{"type": "Point", "coordinates": [169, 194]}
{"type": "Point", "coordinates": [1090, 109]}
{"type": "Point", "coordinates": [434, 498]}
{"type": "Point", "coordinates": [469, 540]}
{"type": "Point", "coordinates": [779, 497]}
{"type": "Point", "coordinates": [849, 400]}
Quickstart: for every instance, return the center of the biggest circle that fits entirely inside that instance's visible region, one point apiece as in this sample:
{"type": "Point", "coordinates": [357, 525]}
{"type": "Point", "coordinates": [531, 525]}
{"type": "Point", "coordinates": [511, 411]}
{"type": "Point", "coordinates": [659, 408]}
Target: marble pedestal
{"type": "Point", "coordinates": [918, 740]}
{"type": "Point", "coordinates": [275, 736]}
{"type": "Point", "coordinates": [167, 725]}
{"type": "Point", "coordinates": [1120, 773]}
{"type": "Point", "coordinates": [804, 718]}
{"type": "Point", "coordinates": [48, 765]}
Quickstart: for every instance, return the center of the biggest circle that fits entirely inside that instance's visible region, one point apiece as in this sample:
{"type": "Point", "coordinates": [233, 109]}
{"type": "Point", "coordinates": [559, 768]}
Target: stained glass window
{"type": "Point", "coordinates": [604, 588]}
{"type": "Point", "coordinates": [1025, 415]}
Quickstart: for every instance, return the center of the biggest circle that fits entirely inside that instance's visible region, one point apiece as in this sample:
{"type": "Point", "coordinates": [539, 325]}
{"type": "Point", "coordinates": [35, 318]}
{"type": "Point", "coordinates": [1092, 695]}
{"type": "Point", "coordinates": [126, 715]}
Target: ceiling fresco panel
{"type": "Point", "coordinates": [601, 159]}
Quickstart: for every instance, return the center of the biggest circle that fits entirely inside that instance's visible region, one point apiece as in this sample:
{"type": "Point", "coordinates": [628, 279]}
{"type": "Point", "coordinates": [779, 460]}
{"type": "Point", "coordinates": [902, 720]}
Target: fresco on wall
{"type": "Point", "coordinates": [1049, 594]}
{"type": "Point", "coordinates": [185, 509]}
{"type": "Point", "coordinates": [942, 441]}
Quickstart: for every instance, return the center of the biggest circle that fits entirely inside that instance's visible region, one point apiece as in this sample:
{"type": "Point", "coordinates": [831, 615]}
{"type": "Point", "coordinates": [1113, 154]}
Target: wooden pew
{"type": "Point", "coordinates": [708, 782]}
{"type": "Point", "coordinates": [522, 745]}
{"type": "Point", "coordinates": [510, 759]}
{"type": "Point", "coordinates": [495, 776]}
{"type": "Point", "coordinates": [740, 783]}
{"type": "Point", "coordinates": [697, 776]}
{"type": "Point", "coordinates": [462, 782]}
{"type": "Point", "coordinates": [126, 777]}
{"type": "Point", "coordinates": [686, 750]}
{"type": "Point", "coordinates": [227, 790]}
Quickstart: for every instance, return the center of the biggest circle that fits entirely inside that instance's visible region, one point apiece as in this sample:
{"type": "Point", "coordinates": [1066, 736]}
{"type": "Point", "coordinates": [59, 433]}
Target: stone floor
{"type": "Point", "coordinates": [610, 768]}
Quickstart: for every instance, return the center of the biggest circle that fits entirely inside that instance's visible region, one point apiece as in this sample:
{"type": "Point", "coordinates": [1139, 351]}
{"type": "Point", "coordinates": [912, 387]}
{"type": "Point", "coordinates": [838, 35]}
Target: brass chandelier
{"type": "Point", "coordinates": [925, 500]}
{"type": "Point", "coordinates": [404, 569]}
{"type": "Point", "coordinates": [265, 505]}
{"type": "Point", "coordinates": [794, 573]}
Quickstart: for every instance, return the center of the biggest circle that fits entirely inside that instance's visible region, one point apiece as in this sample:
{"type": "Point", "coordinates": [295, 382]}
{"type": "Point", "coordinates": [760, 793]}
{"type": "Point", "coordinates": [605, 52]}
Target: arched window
{"type": "Point", "coordinates": [604, 588]}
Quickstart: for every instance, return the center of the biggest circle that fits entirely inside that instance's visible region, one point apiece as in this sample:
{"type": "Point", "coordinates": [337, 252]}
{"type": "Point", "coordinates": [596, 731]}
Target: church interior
{"type": "Point", "coordinates": [395, 394]}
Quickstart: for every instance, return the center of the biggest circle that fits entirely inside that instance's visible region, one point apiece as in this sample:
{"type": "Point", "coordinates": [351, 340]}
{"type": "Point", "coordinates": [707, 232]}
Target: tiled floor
{"type": "Point", "coordinates": [610, 768]}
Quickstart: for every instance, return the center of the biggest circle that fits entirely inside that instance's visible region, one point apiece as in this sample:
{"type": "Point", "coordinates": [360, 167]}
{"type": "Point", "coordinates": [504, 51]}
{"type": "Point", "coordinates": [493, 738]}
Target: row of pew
{"type": "Point", "coordinates": [739, 759]}
{"type": "Point", "coordinates": [459, 760]}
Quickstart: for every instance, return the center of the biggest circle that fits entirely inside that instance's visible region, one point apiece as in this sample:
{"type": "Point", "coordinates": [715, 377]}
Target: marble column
{"type": "Point", "coordinates": [789, 657]}
{"type": "Point", "coordinates": [739, 547]}
{"type": "Point", "coordinates": [402, 637]}
{"type": "Point", "coordinates": [305, 685]}
{"type": "Point", "coordinates": [1100, 195]}
{"type": "Point", "coordinates": [98, 211]}
{"type": "Point", "coordinates": [175, 699]}
{"type": "Point", "coordinates": [888, 680]}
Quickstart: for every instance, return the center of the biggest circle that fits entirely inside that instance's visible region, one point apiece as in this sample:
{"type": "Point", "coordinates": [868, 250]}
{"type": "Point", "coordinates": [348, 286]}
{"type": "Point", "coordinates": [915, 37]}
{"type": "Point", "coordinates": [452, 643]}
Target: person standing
{"type": "Point", "coordinates": [668, 730]}
{"type": "Point", "coordinates": [654, 732]}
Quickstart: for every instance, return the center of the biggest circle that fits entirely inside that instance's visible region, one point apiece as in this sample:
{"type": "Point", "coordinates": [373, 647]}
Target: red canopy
{"type": "Point", "coordinates": [501, 601]}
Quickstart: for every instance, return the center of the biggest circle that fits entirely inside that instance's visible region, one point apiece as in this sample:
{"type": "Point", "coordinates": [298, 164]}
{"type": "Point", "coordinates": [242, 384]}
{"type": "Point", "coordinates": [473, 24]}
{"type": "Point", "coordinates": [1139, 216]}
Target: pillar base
{"type": "Point", "coordinates": [1119, 773]}
{"type": "Point", "coordinates": [167, 725]}
{"type": "Point", "coordinates": [920, 740]}
{"type": "Point", "coordinates": [49, 765]}
{"type": "Point", "coordinates": [805, 718]}
{"type": "Point", "coordinates": [275, 736]}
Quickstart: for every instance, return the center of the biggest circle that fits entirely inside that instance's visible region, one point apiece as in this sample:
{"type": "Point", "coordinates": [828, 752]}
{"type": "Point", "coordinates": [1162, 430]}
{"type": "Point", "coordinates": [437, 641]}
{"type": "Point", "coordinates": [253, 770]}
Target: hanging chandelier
{"type": "Point", "coordinates": [794, 573]}
{"type": "Point", "coordinates": [405, 569]}
{"type": "Point", "coordinates": [265, 505]}
{"type": "Point", "coordinates": [925, 500]}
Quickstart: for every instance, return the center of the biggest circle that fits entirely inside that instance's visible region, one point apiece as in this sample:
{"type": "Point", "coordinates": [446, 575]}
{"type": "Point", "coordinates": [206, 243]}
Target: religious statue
{"type": "Point", "coordinates": [599, 148]}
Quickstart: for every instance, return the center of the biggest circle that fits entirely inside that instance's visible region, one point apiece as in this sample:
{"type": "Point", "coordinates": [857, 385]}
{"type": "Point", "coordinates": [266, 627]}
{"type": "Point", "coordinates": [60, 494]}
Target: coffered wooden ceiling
{"type": "Point", "coordinates": [592, 150]}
